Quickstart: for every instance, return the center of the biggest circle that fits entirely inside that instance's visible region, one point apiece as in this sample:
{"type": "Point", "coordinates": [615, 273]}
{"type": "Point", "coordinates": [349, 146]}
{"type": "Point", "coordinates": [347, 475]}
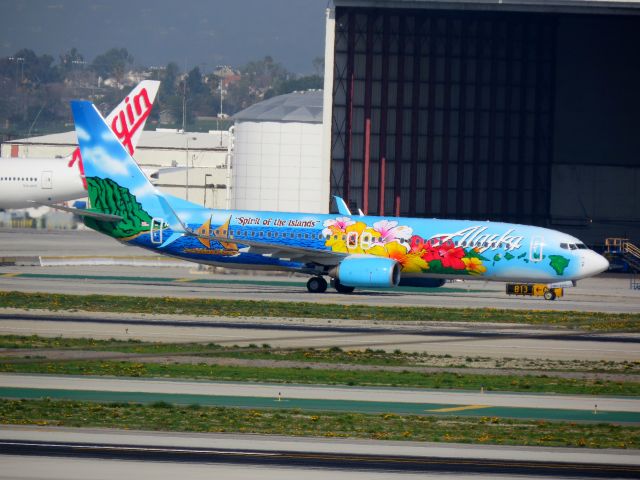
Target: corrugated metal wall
{"type": "Point", "coordinates": [446, 114]}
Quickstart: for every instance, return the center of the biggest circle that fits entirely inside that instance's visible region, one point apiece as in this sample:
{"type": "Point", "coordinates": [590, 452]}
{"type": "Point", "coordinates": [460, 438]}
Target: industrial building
{"type": "Point", "coordinates": [514, 111]}
{"type": "Point", "coordinates": [206, 181]}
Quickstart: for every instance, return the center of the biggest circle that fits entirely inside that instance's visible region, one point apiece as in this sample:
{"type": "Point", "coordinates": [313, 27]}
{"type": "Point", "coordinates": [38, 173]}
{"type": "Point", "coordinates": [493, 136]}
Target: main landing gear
{"type": "Point", "coordinates": [340, 288]}
{"type": "Point", "coordinates": [317, 285]}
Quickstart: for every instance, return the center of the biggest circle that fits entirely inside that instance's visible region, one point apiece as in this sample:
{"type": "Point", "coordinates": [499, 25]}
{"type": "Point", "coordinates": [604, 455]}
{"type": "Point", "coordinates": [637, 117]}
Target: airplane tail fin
{"type": "Point", "coordinates": [127, 120]}
{"type": "Point", "coordinates": [115, 183]}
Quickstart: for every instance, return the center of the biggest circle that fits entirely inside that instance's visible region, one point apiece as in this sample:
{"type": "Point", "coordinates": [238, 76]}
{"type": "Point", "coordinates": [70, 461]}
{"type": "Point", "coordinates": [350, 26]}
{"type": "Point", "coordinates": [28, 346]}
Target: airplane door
{"type": "Point", "coordinates": [155, 231]}
{"type": "Point", "coordinates": [535, 252]}
{"type": "Point", "coordinates": [47, 180]}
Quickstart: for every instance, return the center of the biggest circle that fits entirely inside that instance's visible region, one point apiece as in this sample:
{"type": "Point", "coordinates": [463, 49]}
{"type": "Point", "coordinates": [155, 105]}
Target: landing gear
{"type": "Point", "coordinates": [550, 295]}
{"type": "Point", "coordinates": [317, 285]}
{"type": "Point", "coordinates": [340, 288]}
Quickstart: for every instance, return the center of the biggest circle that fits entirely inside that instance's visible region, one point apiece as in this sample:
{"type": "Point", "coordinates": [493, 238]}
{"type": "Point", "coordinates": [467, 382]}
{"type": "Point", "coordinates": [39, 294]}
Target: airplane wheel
{"type": "Point", "coordinates": [549, 295]}
{"type": "Point", "coordinates": [340, 288]}
{"type": "Point", "coordinates": [317, 285]}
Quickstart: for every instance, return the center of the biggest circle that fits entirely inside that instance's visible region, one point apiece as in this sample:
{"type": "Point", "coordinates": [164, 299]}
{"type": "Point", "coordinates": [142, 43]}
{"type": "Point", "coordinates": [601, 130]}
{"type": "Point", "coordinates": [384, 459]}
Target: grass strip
{"type": "Point", "coordinates": [334, 355]}
{"type": "Point", "coordinates": [594, 321]}
{"type": "Point", "coordinates": [372, 378]}
{"type": "Point", "coordinates": [166, 417]}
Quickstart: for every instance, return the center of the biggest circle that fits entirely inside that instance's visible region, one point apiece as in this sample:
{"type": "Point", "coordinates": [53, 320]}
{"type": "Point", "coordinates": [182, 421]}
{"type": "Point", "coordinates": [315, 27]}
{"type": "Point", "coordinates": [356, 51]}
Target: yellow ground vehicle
{"type": "Point", "coordinates": [534, 290]}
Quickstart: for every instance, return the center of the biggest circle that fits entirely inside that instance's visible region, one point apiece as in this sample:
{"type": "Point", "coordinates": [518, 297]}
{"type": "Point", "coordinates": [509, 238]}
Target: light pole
{"type": "Point", "coordinates": [187, 165]}
{"type": "Point", "coordinates": [18, 60]}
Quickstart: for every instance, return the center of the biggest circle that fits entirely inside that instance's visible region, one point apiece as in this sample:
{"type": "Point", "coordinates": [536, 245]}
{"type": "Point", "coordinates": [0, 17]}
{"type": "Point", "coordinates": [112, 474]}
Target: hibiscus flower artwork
{"type": "Point", "coordinates": [415, 254]}
{"type": "Point", "coordinates": [390, 231]}
{"type": "Point", "coordinates": [410, 262]}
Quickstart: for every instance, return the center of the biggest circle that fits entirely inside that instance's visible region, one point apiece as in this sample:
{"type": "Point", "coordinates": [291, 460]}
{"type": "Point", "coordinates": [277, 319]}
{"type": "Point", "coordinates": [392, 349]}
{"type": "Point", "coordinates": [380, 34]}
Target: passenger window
{"type": "Point", "coordinates": [365, 241]}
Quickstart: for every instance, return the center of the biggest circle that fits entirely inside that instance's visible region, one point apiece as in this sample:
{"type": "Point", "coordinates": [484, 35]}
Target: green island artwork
{"type": "Point", "coordinates": [107, 196]}
{"type": "Point", "coordinates": [559, 263]}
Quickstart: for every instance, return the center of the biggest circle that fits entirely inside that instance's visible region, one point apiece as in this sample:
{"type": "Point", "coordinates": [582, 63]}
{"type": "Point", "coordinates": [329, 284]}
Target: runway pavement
{"type": "Point", "coordinates": [494, 341]}
{"type": "Point", "coordinates": [325, 398]}
{"type": "Point", "coordinates": [90, 253]}
{"type": "Point", "coordinates": [99, 454]}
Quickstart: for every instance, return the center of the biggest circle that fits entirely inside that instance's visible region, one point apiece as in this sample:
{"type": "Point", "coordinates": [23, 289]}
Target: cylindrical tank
{"type": "Point", "coordinates": [277, 155]}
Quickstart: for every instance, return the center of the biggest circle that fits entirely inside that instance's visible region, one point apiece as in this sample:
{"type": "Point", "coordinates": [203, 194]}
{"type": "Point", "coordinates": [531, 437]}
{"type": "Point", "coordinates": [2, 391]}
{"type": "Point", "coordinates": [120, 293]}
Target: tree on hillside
{"type": "Point", "coordinates": [257, 78]}
{"type": "Point", "coordinates": [26, 67]}
{"type": "Point", "coordinates": [311, 82]}
{"type": "Point", "coordinates": [70, 61]}
{"type": "Point", "coordinates": [195, 86]}
{"type": "Point", "coordinates": [113, 63]}
{"type": "Point", "coordinates": [169, 80]}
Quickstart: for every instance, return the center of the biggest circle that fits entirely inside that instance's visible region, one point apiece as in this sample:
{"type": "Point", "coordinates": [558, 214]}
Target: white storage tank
{"type": "Point", "coordinates": [276, 157]}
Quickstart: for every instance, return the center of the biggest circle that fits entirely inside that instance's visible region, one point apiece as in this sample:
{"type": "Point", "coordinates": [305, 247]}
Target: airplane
{"type": "Point", "coordinates": [30, 182]}
{"type": "Point", "coordinates": [353, 251]}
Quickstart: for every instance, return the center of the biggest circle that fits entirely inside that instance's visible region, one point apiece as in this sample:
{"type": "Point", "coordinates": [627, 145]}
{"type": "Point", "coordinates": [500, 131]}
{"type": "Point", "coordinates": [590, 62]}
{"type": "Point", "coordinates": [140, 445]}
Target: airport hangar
{"type": "Point", "coordinates": [519, 111]}
{"type": "Point", "coordinates": [516, 111]}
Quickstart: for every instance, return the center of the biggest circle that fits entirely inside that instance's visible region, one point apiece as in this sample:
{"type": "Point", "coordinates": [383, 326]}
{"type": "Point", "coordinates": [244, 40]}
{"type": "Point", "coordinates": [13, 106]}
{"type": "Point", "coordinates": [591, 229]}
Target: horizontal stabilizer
{"type": "Point", "coordinates": [81, 212]}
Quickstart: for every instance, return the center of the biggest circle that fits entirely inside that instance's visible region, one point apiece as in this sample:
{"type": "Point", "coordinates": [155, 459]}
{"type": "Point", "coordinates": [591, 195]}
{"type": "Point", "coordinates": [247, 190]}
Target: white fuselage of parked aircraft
{"type": "Point", "coordinates": [30, 182]}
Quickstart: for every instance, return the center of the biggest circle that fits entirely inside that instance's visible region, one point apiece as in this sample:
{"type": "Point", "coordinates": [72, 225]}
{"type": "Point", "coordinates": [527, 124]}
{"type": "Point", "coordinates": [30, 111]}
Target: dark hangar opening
{"type": "Point", "coordinates": [518, 116]}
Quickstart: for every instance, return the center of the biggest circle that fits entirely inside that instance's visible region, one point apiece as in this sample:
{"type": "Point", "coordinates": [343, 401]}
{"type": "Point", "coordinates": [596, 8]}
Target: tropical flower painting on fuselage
{"type": "Point", "coordinates": [415, 254]}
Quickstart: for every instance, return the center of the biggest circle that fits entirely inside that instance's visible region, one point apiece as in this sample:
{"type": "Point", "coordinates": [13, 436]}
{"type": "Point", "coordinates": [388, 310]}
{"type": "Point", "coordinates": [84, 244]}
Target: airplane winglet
{"type": "Point", "coordinates": [343, 209]}
{"type": "Point", "coordinates": [177, 225]}
{"type": "Point", "coordinates": [172, 217]}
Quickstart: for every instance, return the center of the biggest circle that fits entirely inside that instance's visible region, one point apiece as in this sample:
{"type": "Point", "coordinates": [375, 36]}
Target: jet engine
{"type": "Point", "coordinates": [368, 272]}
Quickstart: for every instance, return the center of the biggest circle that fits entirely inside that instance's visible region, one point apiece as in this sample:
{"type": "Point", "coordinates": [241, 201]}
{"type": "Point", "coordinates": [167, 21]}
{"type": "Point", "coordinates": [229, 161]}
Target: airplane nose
{"type": "Point", "coordinates": [594, 264]}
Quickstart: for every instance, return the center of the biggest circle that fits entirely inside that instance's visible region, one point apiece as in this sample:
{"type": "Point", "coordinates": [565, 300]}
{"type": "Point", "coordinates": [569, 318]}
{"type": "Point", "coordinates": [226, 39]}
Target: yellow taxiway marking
{"type": "Point", "coordinates": [8, 275]}
{"type": "Point", "coordinates": [183, 279]}
{"type": "Point", "coordinates": [458, 409]}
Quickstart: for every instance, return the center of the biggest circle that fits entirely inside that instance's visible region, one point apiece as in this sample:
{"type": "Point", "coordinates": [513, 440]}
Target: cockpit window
{"type": "Point", "coordinates": [573, 246]}
{"type": "Point", "coordinates": [564, 245]}
{"type": "Point", "coordinates": [582, 246]}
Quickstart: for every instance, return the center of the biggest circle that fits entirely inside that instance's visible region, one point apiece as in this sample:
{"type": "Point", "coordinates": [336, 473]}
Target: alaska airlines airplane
{"type": "Point", "coordinates": [355, 252]}
{"type": "Point", "coordinates": [30, 182]}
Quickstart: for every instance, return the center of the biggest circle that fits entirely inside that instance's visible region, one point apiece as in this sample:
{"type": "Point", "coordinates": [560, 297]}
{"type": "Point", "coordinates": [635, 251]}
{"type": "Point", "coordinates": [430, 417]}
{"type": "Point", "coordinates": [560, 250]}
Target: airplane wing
{"type": "Point", "coordinates": [284, 252]}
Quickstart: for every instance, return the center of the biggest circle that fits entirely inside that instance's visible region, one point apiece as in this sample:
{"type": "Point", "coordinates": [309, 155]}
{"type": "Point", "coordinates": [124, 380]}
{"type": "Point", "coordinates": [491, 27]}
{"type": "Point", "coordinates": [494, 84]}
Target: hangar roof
{"type": "Point", "coordinates": [304, 107]}
{"type": "Point", "coordinates": [559, 6]}
{"type": "Point", "coordinates": [163, 140]}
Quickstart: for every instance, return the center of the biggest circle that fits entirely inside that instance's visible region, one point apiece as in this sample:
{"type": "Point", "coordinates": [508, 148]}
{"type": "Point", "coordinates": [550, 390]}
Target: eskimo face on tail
{"type": "Point", "coordinates": [115, 183]}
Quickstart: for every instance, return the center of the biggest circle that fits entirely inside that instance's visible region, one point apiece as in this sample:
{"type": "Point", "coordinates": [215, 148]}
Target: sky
{"type": "Point", "coordinates": [189, 32]}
